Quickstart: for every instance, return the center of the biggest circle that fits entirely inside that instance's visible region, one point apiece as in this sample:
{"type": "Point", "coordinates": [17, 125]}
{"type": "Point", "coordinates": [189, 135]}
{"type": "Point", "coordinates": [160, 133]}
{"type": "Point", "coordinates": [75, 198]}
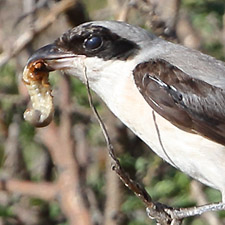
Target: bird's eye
{"type": "Point", "coordinates": [93, 42]}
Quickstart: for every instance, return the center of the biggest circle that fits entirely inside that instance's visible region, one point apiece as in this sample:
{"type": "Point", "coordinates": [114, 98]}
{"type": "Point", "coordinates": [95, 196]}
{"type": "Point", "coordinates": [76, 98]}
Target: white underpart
{"type": "Point", "coordinates": [196, 156]}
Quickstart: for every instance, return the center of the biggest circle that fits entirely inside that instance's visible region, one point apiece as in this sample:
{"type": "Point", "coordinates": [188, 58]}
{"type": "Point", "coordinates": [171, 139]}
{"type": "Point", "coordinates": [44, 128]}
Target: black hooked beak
{"type": "Point", "coordinates": [54, 57]}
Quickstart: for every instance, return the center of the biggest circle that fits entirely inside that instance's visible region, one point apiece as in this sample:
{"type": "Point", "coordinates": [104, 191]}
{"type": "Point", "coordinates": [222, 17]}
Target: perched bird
{"type": "Point", "coordinates": [170, 96]}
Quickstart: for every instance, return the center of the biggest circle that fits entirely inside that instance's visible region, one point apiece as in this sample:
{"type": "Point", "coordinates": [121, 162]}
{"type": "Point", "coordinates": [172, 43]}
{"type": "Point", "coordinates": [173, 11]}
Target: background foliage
{"type": "Point", "coordinates": [26, 154]}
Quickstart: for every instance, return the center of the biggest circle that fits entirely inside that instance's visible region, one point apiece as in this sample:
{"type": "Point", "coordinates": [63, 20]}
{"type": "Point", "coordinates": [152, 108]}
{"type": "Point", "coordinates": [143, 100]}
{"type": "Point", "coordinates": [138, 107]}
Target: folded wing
{"type": "Point", "coordinates": [189, 103]}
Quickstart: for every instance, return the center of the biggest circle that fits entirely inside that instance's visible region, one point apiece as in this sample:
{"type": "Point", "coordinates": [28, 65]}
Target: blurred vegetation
{"type": "Point", "coordinates": [31, 160]}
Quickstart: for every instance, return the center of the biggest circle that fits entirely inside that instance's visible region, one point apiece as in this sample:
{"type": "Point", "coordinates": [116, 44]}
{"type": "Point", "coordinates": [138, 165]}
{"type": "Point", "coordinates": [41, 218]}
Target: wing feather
{"type": "Point", "coordinates": [189, 103]}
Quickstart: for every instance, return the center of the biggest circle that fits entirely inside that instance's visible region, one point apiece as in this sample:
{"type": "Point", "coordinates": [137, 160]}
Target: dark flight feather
{"type": "Point", "coordinates": [189, 103]}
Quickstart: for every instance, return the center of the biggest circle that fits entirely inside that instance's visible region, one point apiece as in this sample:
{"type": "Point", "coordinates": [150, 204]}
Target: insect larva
{"type": "Point", "coordinates": [35, 77]}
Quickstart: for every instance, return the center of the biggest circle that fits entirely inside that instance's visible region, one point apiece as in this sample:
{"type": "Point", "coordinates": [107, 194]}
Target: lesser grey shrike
{"type": "Point", "coordinates": [170, 96]}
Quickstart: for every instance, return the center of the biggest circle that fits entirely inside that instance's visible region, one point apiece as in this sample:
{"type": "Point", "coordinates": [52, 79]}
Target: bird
{"type": "Point", "coordinates": [172, 97]}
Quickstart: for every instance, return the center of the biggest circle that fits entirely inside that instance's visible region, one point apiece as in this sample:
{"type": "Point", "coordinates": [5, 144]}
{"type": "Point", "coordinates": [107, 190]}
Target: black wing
{"type": "Point", "coordinates": [190, 104]}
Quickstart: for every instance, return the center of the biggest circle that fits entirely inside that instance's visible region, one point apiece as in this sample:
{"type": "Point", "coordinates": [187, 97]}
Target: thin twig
{"type": "Point", "coordinates": [45, 190]}
{"type": "Point", "coordinates": [197, 210]}
{"type": "Point", "coordinates": [102, 125]}
{"type": "Point", "coordinates": [34, 9]}
{"type": "Point", "coordinates": [40, 25]}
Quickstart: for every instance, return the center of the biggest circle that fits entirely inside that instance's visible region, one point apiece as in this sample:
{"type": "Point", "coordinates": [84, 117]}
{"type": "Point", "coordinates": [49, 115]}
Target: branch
{"type": "Point", "coordinates": [45, 190]}
{"type": "Point", "coordinates": [40, 25]}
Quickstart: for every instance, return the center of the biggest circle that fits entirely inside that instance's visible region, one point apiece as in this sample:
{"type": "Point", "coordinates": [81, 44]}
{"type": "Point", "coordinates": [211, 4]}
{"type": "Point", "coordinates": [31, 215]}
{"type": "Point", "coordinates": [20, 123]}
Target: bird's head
{"type": "Point", "coordinates": [106, 49]}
